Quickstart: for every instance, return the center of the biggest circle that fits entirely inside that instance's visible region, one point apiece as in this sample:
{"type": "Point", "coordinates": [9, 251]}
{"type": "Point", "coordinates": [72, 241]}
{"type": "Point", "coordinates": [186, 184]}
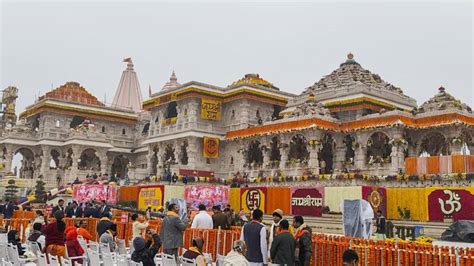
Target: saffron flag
{"type": "Point", "coordinates": [210, 148]}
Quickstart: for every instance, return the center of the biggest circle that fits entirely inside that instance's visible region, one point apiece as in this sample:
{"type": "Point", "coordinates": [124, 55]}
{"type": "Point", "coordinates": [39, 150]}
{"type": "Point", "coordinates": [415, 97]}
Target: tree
{"type": "Point", "coordinates": [11, 190]}
{"type": "Point", "coordinates": [40, 192]}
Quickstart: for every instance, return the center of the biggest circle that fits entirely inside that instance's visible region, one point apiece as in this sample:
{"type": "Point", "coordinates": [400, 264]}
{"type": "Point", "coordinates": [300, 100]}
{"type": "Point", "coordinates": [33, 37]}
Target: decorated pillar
{"type": "Point", "coordinates": [8, 160]}
{"type": "Point", "coordinates": [102, 154]}
{"type": "Point", "coordinates": [284, 156]}
{"type": "Point", "coordinates": [149, 157]}
{"type": "Point", "coordinates": [266, 156]}
{"type": "Point", "coordinates": [313, 162]}
{"type": "Point", "coordinates": [360, 153]}
{"type": "Point", "coordinates": [456, 146]}
{"type": "Point", "coordinates": [339, 153]}
{"type": "Point", "coordinates": [193, 152]}
{"type": "Point", "coordinates": [244, 114]}
{"type": "Point", "coordinates": [45, 160]}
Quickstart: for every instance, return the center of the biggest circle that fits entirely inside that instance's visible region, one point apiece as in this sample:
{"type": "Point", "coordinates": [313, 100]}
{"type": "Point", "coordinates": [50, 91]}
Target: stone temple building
{"type": "Point", "coordinates": [349, 121]}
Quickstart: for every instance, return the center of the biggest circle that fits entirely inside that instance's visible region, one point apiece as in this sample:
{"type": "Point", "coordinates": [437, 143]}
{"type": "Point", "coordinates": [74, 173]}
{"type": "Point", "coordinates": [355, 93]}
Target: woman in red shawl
{"type": "Point", "coordinates": [74, 249]}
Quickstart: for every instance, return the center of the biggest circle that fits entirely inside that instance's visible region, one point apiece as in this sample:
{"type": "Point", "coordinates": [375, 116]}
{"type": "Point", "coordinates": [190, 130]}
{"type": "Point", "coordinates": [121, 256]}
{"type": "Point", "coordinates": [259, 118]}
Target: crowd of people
{"type": "Point", "coordinates": [284, 243]}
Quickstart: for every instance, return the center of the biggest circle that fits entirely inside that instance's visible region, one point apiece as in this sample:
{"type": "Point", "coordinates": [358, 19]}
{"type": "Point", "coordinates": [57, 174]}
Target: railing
{"type": "Point", "coordinates": [326, 249]}
{"type": "Point", "coordinates": [439, 164]}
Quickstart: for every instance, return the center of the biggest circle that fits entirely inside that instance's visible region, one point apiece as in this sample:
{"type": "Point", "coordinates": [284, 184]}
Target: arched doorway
{"type": "Point", "coordinates": [378, 148]}
{"type": "Point", "coordinates": [54, 162]}
{"type": "Point", "coordinates": [298, 150]}
{"type": "Point", "coordinates": [326, 154]}
{"type": "Point", "coordinates": [434, 144]}
{"type": "Point", "coordinates": [120, 166]}
{"type": "Point", "coordinates": [23, 163]}
{"type": "Point", "coordinates": [254, 153]}
{"type": "Point", "coordinates": [89, 161]}
{"type": "Point", "coordinates": [184, 153]}
{"type": "Point", "coordinates": [349, 143]}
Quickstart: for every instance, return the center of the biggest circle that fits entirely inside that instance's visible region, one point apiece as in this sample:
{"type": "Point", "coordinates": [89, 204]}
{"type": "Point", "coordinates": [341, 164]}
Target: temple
{"type": "Point", "coordinates": [349, 122]}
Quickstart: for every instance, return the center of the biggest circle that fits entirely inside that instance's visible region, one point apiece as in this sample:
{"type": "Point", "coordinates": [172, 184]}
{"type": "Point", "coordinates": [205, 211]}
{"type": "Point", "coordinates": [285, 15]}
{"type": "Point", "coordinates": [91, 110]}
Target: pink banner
{"type": "Point", "coordinates": [83, 193]}
{"type": "Point", "coordinates": [457, 204]}
{"type": "Point", "coordinates": [307, 201]}
{"type": "Point", "coordinates": [208, 195]}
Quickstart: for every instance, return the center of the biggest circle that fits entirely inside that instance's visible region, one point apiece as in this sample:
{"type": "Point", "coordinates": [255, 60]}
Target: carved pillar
{"type": "Point", "coordinates": [266, 157]}
{"type": "Point", "coordinates": [159, 162]}
{"type": "Point", "coordinates": [103, 161]}
{"type": "Point", "coordinates": [149, 157]}
{"type": "Point", "coordinates": [313, 162]}
{"type": "Point", "coordinates": [339, 153]}
{"type": "Point", "coordinates": [394, 160]}
{"type": "Point", "coordinates": [284, 157]}
{"type": "Point", "coordinates": [45, 160]}
{"type": "Point", "coordinates": [8, 161]}
{"type": "Point", "coordinates": [192, 152]}
{"type": "Point", "coordinates": [244, 114]}
{"type": "Point", "coordinates": [456, 146]}
{"type": "Point", "coordinates": [360, 153]}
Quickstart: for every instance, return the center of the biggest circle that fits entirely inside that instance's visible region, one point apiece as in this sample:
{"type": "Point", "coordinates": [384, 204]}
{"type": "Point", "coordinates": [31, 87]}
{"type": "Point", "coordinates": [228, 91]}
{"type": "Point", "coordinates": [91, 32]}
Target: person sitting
{"type": "Point", "coordinates": [143, 254]}
{"type": "Point", "coordinates": [82, 231]}
{"type": "Point", "coordinates": [108, 237]}
{"type": "Point", "coordinates": [237, 255]}
{"type": "Point", "coordinates": [14, 240]}
{"type": "Point", "coordinates": [195, 252]}
{"type": "Point", "coordinates": [74, 249]}
{"type": "Point", "coordinates": [103, 225]}
{"type": "Point", "coordinates": [54, 233]}
{"type": "Point", "coordinates": [37, 236]}
{"type": "Point", "coordinates": [350, 258]}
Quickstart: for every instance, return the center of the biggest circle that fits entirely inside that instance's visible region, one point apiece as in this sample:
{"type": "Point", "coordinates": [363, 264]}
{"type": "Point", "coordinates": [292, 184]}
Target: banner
{"type": "Point", "coordinates": [150, 196]}
{"type": "Point", "coordinates": [210, 148]}
{"type": "Point", "coordinates": [208, 195]}
{"type": "Point", "coordinates": [253, 198]}
{"type": "Point", "coordinates": [307, 201]}
{"type": "Point", "coordinates": [83, 193]}
{"type": "Point", "coordinates": [377, 197]}
{"type": "Point", "coordinates": [456, 204]}
{"type": "Point", "coordinates": [210, 109]}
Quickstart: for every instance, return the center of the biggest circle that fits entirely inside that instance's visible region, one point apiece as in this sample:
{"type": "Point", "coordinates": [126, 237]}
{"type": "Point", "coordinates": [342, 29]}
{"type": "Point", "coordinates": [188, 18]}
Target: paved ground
{"type": "Point", "coordinates": [332, 224]}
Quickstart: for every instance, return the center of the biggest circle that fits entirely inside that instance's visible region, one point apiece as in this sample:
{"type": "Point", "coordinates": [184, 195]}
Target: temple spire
{"type": "Point", "coordinates": [173, 83]}
{"type": "Point", "coordinates": [128, 95]}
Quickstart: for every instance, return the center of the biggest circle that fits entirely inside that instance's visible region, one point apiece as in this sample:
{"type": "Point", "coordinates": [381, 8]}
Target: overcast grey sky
{"type": "Point", "coordinates": [416, 46]}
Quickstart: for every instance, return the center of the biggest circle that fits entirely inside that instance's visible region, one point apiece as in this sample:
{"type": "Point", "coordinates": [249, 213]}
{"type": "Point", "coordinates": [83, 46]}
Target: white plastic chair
{"type": "Point", "coordinates": [34, 247]}
{"type": "Point", "coordinates": [94, 257]}
{"type": "Point", "coordinates": [168, 260]}
{"type": "Point", "coordinates": [3, 250]}
{"type": "Point", "coordinates": [82, 242]}
{"type": "Point", "coordinates": [94, 246]}
{"type": "Point", "coordinates": [133, 263]}
{"type": "Point", "coordinates": [13, 255]}
{"type": "Point", "coordinates": [54, 261]}
{"type": "Point", "coordinates": [41, 260]}
{"type": "Point", "coordinates": [3, 238]}
{"type": "Point", "coordinates": [107, 259]}
{"type": "Point", "coordinates": [122, 249]}
{"type": "Point", "coordinates": [6, 263]}
{"type": "Point", "coordinates": [187, 262]}
{"type": "Point", "coordinates": [220, 260]}
{"type": "Point", "coordinates": [83, 257]}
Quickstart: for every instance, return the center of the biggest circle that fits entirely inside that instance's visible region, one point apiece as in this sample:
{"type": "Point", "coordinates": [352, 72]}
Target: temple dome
{"type": "Point", "coordinates": [443, 101]}
{"type": "Point", "coordinates": [352, 74]}
{"type": "Point", "coordinates": [253, 79]}
{"type": "Point", "coordinates": [72, 92]}
{"type": "Point", "coordinates": [172, 83]}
